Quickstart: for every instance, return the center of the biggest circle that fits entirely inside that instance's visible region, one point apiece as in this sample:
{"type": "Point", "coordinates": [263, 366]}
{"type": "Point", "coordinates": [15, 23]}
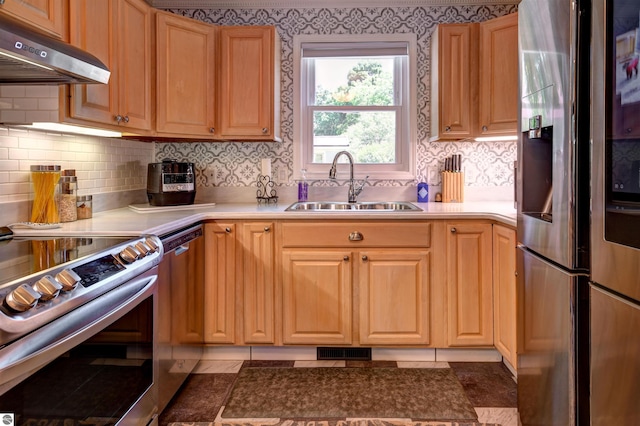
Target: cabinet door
{"type": "Point", "coordinates": [220, 279]}
{"type": "Point", "coordinates": [185, 76]}
{"type": "Point", "coordinates": [119, 34]}
{"type": "Point", "coordinates": [388, 280]}
{"type": "Point", "coordinates": [135, 62]}
{"type": "Point", "coordinates": [46, 15]}
{"type": "Point", "coordinates": [499, 84]}
{"type": "Point", "coordinates": [93, 23]}
{"type": "Point", "coordinates": [469, 298]}
{"type": "Point", "coordinates": [246, 89]}
{"type": "Point", "coordinates": [504, 292]}
{"type": "Point", "coordinates": [456, 82]}
{"type": "Point", "coordinates": [317, 296]}
{"type": "Point", "coordinates": [187, 292]}
{"type": "Point", "coordinates": [258, 282]}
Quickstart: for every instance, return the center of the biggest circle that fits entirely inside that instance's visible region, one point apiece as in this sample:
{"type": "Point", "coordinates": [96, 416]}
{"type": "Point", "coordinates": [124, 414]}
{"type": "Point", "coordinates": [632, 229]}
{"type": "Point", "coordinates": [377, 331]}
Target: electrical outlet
{"type": "Point", "coordinates": [282, 175]}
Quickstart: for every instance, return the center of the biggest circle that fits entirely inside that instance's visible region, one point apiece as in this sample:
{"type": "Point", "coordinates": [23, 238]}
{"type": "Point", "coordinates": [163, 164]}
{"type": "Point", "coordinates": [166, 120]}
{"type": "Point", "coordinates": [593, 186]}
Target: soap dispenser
{"type": "Point", "coordinates": [303, 186]}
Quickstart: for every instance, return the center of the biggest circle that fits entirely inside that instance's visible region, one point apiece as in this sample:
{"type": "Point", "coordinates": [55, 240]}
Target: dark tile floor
{"type": "Point", "coordinates": [489, 386]}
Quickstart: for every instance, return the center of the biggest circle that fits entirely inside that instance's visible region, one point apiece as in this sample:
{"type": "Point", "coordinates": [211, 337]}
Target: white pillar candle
{"type": "Point", "coordinates": [265, 169]}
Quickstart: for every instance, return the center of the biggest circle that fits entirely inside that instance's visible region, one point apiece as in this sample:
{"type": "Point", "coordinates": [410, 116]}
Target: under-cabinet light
{"type": "Point", "coordinates": [68, 128]}
{"type": "Point", "coordinates": [497, 138]}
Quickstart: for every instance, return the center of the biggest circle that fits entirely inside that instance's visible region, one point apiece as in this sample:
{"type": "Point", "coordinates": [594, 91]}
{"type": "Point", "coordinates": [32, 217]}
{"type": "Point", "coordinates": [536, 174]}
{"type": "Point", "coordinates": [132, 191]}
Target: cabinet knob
{"type": "Point", "coordinates": [447, 129]}
{"type": "Point", "coordinates": [267, 229]}
{"type": "Point", "coordinates": [227, 230]}
{"type": "Point", "coordinates": [364, 258]}
{"type": "Point", "coordinates": [346, 258]}
{"type": "Point", "coordinates": [629, 130]}
{"type": "Point", "coordinates": [212, 130]}
{"type": "Point", "coordinates": [356, 236]}
{"type": "Point", "coordinates": [485, 128]}
{"type": "Point", "coordinates": [265, 130]}
{"type": "Point", "coordinates": [126, 118]}
{"type": "Point", "coordinates": [453, 230]}
{"type": "Point", "coordinates": [119, 118]}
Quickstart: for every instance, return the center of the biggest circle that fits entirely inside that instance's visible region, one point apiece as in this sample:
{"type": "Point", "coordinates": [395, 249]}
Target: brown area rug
{"type": "Point", "coordinates": [325, 393]}
{"type": "Point", "coordinates": [373, 422]}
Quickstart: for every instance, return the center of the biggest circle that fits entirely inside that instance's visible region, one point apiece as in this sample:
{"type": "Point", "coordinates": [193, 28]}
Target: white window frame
{"type": "Point", "coordinates": [404, 168]}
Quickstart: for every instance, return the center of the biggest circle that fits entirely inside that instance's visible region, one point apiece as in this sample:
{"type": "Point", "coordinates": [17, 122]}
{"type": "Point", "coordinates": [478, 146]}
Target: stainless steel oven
{"type": "Point", "coordinates": [77, 330]}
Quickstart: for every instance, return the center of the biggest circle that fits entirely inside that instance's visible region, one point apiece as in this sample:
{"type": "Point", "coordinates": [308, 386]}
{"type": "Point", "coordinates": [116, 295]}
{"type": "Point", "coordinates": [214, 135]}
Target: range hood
{"type": "Point", "coordinates": [30, 57]}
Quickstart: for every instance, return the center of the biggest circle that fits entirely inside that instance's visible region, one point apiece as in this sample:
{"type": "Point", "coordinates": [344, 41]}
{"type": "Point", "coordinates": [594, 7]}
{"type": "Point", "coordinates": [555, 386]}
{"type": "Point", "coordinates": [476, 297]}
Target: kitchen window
{"type": "Point", "coordinates": [355, 94]}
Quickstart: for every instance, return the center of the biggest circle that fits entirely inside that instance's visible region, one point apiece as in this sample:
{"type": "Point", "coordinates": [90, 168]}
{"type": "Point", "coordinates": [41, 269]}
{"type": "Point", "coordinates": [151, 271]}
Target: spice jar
{"type": "Point", "coordinates": [67, 198]}
{"type": "Point", "coordinates": [84, 206]}
{"type": "Point", "coordinates": [45, 190]}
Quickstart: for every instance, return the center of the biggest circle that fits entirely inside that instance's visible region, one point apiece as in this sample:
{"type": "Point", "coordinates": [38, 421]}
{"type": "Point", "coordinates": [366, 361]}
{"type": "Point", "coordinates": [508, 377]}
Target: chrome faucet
{"type": "Point", "coordinates": [354, 190]}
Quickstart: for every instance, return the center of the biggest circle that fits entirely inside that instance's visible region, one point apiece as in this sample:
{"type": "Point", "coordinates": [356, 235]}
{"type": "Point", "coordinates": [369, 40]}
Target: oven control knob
{"type": "Point", "coordinates": [151, 244]}
{"type": "Point", "coordinates": [129, 254]}
{"type": "Point", "coordinates": [68, 279]}
{"type": "Point", "coordinates": [143, 249]}
{"type": "Point", "coordinates": [22, 298]}
{"type": "Point", "coordinates": [47, 287]}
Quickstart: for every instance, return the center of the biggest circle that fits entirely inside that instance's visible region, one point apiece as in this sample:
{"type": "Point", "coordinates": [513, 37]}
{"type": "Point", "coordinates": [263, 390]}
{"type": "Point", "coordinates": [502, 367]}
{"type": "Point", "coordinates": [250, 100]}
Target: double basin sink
{"type": "Point", "coordinates": [365, 206]}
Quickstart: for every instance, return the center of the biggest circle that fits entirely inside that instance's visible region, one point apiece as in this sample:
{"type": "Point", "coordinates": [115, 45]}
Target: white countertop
{"type": "Point", "coordinates": [127, 222]}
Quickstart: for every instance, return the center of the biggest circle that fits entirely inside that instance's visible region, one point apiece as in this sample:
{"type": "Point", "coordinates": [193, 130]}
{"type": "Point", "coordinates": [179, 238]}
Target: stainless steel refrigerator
{"type": "Point", "coordinates": [553, 198]}
{"type": "Point", "coordinates": [615, 236]}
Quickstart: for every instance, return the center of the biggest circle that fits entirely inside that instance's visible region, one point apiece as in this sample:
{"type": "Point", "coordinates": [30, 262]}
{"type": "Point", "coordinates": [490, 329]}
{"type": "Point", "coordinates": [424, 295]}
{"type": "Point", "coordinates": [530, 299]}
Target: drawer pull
{"type": "Point", "coordinates": [356, 236]}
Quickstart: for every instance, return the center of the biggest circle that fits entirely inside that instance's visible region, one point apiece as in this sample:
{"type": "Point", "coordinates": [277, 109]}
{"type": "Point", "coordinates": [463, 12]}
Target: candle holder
{"type": "Point", "coordinates": [266, 193]}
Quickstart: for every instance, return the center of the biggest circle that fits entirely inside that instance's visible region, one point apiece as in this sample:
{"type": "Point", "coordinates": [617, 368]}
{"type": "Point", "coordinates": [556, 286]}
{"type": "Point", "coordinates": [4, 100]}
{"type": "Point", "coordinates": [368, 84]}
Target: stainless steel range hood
{"type": "Point", "coordinates": [30, 57]}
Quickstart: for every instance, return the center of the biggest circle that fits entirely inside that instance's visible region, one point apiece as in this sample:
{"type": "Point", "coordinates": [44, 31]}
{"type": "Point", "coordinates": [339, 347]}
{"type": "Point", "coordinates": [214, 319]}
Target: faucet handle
{"type": "Point", "coordinates": [358, 188]}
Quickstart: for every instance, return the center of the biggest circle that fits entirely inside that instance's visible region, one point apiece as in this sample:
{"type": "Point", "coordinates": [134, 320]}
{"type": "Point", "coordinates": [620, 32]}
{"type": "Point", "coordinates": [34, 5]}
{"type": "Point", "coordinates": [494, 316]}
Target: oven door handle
{"type": "Point", "coordinates": [20, 359]}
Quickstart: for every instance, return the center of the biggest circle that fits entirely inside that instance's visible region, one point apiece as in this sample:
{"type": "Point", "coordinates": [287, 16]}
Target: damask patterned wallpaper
{"type": "Point", "coordinates": [237, 164]}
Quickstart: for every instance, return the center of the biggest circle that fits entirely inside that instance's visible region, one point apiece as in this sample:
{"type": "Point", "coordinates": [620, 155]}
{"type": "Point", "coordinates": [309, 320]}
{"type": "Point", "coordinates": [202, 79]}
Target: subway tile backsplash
{"type": "Point", "coordinates": [102, 165]}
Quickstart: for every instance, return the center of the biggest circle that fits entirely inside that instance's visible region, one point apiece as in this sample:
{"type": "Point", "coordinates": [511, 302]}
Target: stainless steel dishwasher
{"type": "Point", "coordinates": [180, 309]}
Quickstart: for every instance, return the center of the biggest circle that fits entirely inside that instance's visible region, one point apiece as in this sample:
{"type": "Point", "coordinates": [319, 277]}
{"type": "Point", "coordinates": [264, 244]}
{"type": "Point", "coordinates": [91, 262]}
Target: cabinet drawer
{"type": "Point", "coordinates": [356, 234]}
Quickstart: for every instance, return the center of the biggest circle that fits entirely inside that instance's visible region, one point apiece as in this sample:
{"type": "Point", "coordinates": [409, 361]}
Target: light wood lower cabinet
{"type": "Point", "coordinates": [258, 282]}
{"type": "Point", "coordinates": [317, 296]}
{"type": "Point", "coordinates": [357, 283]}
{"type": "Point", "coordinates": [469, 284]}
{"type": "Point", "coordinates": [394, 296]}
{"type": "Point", "coordinates": [220, 283]}
{"type": "Point", "coordinates": [504, 292]}
{"type": "Point", "coordinates": [239, 283]}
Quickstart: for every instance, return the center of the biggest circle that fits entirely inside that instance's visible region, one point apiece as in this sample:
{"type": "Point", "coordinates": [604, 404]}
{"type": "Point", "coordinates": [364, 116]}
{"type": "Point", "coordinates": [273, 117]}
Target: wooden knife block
{"type": "Point", "coordinates": [452, 187]}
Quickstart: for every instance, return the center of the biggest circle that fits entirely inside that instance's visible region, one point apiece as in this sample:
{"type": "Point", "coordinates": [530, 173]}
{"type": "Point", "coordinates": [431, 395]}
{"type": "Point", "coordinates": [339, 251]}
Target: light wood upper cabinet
{"type": "Point", "coordinates": [454, 92]}
{"type": "Point", "coordinates": [394, 296]}
{"type": "Point", "coordinates": [185, 86]}
{"type": "Point", "coordinates": [220, 283]}
{"type": "Point", "coordinates": [248, 90]}
{"type": "Point", "coordinates": [474, 81]}
{"type": "Point", "coordinates": [119, 33]}
{"type": "Point", "coordinates": [49, 16]}
{"type": "Point", "coordinates": [504, 292]}
{"type": "Point", "coordinates": [499, 84]}
{"type": "Point", "coordinates": [258, 282]}
{"type": "Point", "coordinates": [469, 276]}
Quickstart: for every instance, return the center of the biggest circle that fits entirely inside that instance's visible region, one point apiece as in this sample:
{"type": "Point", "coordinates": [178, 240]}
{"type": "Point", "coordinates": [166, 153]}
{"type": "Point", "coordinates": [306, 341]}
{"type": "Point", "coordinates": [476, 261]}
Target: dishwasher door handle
{"type": "Point", "coordinates": [181, 249]}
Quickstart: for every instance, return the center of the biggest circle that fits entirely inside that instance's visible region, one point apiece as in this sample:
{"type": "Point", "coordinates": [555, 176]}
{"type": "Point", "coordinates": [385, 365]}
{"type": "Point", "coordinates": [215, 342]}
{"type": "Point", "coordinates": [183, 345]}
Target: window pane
{"type": "Point", "coordinates": [354, 81]}
{"type": "Point", "coordinates": [368, 135]}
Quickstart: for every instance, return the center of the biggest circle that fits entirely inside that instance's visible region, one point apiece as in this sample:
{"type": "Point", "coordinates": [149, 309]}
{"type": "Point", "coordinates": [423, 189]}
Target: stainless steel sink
{"type": "Point", "coordinates": [368, 206]}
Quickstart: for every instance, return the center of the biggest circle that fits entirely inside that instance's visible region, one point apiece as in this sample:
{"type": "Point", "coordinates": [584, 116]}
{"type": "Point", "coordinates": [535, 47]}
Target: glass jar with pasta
{"type": "Point", "coordinates": [45, 179]}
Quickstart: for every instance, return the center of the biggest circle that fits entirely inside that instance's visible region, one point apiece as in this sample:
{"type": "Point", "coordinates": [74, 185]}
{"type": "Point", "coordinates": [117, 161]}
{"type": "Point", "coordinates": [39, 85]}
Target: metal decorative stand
{"type": "Point", "coordinates": [266, 192]}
